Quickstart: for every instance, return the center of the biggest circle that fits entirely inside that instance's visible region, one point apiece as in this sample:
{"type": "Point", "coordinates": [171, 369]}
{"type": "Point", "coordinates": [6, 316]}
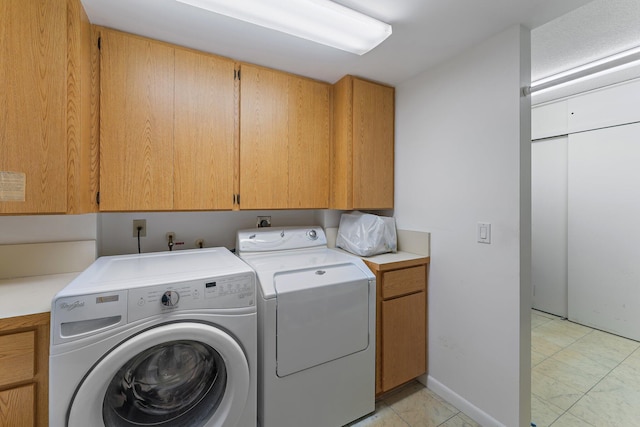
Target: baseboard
{"type": "Point", "coordinates": [462, 404]}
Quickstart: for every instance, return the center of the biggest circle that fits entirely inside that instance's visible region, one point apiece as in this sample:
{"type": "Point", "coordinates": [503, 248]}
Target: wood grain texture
{"type": "Point", "coordinates": [34, 346]}
{"type": "Point", "coordinates": [403, 339]}
{"type": "Point", "coordinates": [17, 353]}
{"type": "Point", "coordinates": [136, 123]}
{"type": "Point", "coordinates": [264, 156]}
{"type": "Point", "coordinates": [404, 281]}
{"type": "Point", "coordinates": [341, 196]}
{"type": "Point", "coordinates": [204, 132]}
{"type": "Point", "coordinates": [16, 407]}
{"type": "Point", "coordinates": [373, 145]}
{"type": "Point", "coordinates": [81, 159]}
{"type": "Point", "coordinates": [309, 144]}
{"type": "Point", "coordinates": [394, 281]}
{"type": "Point", "coordinates": [32, 102]}
{"type": "Point", "coordinates": [94, 117]}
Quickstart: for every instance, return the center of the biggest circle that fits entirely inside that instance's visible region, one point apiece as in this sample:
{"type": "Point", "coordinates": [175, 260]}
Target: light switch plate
{"type": "Point", "coordinates": [484, 232]}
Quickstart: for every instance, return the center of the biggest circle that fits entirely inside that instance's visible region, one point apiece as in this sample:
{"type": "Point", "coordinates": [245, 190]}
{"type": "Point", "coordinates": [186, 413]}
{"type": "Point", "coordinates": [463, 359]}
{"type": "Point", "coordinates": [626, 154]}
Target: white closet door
{"type": "Point", "coordinates": [604, 229]}
{"type": "Point", "coordinates": [549, 225]}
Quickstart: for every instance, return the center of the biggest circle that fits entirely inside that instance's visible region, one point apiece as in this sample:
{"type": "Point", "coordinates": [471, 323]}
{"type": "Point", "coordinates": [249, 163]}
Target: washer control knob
{"type": "Point", "coordinates": [170, 299]}
{"type": "Point", "coordinates": [313, 235]}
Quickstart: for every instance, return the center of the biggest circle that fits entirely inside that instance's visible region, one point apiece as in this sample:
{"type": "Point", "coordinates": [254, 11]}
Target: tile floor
{"type": "Point", "coordinates": [580, 377]}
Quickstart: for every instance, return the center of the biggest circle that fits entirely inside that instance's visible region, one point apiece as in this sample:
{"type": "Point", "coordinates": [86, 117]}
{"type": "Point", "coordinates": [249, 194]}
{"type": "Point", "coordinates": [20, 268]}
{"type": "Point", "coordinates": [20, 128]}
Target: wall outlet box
{"type": "Point", "coordinates": [140, 223]}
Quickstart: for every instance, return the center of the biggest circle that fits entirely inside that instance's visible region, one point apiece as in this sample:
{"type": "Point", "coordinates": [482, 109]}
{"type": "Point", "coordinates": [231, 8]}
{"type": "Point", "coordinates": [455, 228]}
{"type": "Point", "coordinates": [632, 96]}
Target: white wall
{"type": "Point", "coordinates": [47, 228]}
{"type": "Point", "coordinates": [463, 157]}
{"type": "Point", "coordinates": [216, 228]}
{"type": "Point", "coordinates": [114, 231]}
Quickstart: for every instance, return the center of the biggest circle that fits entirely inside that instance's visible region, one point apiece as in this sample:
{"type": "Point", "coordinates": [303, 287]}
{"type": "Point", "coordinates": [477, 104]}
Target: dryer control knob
{"type": "Point", "coordinates": [170, 298]}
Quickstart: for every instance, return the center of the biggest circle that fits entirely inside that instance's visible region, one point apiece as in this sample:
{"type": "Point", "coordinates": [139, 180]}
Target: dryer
{"type": "Point", "coordinates": [316, 329]}
{"type": "Point", "coordinates": [158, 339]}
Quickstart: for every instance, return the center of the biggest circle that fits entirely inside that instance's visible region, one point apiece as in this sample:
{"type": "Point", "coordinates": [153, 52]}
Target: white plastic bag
{"type": "Point", "coordinates": [367, 234]}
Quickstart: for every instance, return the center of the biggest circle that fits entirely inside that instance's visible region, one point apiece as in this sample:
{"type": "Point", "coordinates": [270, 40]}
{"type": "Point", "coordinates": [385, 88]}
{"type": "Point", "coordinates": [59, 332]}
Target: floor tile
{"type": "Point", "coordinates": [605, 348]}
{"type": "Point", "coordinates": [553, 391]}
{"type": "Point", "coordinates": [420, 407]}
{"type": "Point", "coordinates": [582, 362]}
{"type": "Point", "coordinates": [543, 413]}
{"type": "Point", "coordinates": [555, 333]}
{"type": "Point", "coordinates": [568, 420]}
{"type": "Point", "coordinates": [567, 374]}
{"type": "Point", "coordinates": [537, 358]}
{"type": "Point", "coordinates": [460, 420]}
{"type": "Point", "coordinates": [541, 345]}
{"type": "Point", "coordinates": [608, 409]}
{"type": "Point", "coordinates": [383, 417]}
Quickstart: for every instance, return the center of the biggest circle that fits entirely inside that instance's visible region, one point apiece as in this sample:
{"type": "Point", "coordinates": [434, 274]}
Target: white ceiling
{"type": "Point", "coordinates": [425, 32]}
{"type": "Point", "coordinates": [594, 31]}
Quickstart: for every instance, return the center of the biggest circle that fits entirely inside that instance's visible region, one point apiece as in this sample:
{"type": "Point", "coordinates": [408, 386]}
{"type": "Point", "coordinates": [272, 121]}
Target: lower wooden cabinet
{"type": "Point", "coordinates": [401, 321]}
{"type": "Point", "coordinates": [24, 373]}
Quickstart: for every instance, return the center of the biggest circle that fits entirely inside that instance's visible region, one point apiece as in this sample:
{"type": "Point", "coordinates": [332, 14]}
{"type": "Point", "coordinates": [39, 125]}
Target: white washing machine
{"type": "Point", "coordinates": [158, 339]}
{"type": "Point", "coordinates": [316, 329]}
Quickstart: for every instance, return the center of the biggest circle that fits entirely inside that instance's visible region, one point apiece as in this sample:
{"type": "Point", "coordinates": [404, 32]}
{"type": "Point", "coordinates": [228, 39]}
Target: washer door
{"type": "Point", "coordinates": [179, 374]}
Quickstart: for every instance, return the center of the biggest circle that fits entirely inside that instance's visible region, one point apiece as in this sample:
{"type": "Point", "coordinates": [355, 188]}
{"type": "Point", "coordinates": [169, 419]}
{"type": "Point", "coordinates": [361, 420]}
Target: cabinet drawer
{"type": "Point", "coordinates": [17, 352]}
{"type": "Point", "coordinates": [405, 281]}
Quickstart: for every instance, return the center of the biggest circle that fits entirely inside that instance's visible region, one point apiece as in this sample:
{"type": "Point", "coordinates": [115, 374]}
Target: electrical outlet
{"type": "Point", "coordinates": [264, 221]}
{"type": "Point", "coordinates": [140, 223]}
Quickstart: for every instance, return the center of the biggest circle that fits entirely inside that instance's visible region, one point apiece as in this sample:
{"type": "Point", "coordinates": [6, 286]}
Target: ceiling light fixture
{"type": "Point", "coordinates": [321, 21]}
{"type": "Point", "coordinates": [593, 69]}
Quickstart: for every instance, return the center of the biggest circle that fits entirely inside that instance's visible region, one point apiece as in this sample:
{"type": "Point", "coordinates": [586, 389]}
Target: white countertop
{"type": "Point", "coordinates": [393, 257]}
{"type": "Point", "coordinates": [31, 295]}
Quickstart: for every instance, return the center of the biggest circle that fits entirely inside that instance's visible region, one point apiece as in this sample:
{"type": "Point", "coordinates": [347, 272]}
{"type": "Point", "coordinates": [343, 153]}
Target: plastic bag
{"type": "Point", "coordinates": [367, 234]}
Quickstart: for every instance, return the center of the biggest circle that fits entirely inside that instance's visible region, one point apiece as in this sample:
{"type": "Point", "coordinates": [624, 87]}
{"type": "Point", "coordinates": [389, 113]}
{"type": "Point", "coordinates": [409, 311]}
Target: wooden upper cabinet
{"type": "Point", "coordinates": [285, 126]}
{"type": "Point", "coordinates": [136, 123]}
{"type": "Point", "coordinates": [309, 143]}
{"type": "Point", "coordinates": [33, 131]}
{"type": "Point", "coordinates": [264, 155]}
{"type": "Point", "coordinates": [203, 150]}
{"type": "Point", "coordinates": [363, 145]}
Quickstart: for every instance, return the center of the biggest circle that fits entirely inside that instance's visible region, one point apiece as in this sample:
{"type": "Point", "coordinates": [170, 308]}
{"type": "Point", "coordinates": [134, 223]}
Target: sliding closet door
{"type": "Point", "coordinates": [549, 225]}
{"type": "Point", "coordinates": [604, 229]}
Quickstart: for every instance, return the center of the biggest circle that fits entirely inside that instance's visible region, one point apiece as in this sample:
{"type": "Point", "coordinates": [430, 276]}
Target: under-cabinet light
{"type": "Point", "coordinates": [321, 21]}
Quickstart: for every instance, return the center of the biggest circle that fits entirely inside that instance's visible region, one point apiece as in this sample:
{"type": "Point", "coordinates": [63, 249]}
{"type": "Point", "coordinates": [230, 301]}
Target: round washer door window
{"type": "Point", "coordinates": [156, 379]}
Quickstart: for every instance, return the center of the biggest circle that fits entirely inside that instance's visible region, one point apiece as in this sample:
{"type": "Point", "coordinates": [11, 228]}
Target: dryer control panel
{"type": "Point", "coordinates": [226, 292]}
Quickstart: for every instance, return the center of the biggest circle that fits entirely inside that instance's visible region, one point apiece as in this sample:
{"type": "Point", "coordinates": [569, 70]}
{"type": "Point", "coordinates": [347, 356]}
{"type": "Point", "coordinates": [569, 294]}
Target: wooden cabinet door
{"type": "Point", "coordinates": [285, 135]}
{"type": "Point", "coordinates": [136, 123]}
{"type": "Point", "coordinates": [373, 145]}
{"type": "Point", "coordinates": [264, 154]}
{"type": "Point", "coordinates": [33, 138]}
{"type": "Point", "coordinates": [309, 141]}
{"type": "Point", "coordinates": [17, 406]}
{"type": "Point", "coordinates": [203, 149]}
{"type": "Point", "coordinates": [403, 339]}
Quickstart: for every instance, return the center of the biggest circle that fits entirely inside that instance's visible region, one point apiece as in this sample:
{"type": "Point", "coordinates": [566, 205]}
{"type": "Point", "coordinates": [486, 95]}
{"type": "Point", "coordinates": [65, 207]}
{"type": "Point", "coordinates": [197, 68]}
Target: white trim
{"type": "Point", "coordinates": [462, 404]}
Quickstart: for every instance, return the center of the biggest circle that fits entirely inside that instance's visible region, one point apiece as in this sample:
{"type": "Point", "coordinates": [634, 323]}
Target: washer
{"type": "Point", "coordinates": [158, 339]}
{"type": "Point", "coordinates": [316, 329]}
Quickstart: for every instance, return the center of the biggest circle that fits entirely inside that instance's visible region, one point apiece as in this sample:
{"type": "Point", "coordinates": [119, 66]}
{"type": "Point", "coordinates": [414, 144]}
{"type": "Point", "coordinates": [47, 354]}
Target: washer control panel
{"type": "Point", "coordinates": [235, 291]}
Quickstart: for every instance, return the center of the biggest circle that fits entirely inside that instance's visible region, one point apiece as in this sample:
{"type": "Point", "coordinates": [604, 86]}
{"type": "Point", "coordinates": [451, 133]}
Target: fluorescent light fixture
{"type": "Point", "coordinates": [321, 21]}
{"type": "Point", "coordinates": [612, 63]}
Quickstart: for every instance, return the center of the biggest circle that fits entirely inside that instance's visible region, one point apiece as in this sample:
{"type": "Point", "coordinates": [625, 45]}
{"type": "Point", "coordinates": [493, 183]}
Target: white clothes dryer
{"type": "Point", "coordinates": [158, 339]}
{"type": "Point", "coordinates": [316, 329]}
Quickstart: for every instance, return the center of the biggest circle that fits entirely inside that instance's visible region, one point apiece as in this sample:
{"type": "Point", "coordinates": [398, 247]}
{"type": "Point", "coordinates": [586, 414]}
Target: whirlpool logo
{"type": "Point", "coordinates": [72, 306]}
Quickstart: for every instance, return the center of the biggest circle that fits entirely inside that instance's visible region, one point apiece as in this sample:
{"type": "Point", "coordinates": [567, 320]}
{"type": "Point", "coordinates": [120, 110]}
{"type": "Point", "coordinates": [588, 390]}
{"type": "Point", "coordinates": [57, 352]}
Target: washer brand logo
{"type": "Point", "coordinates": [73, 305]}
